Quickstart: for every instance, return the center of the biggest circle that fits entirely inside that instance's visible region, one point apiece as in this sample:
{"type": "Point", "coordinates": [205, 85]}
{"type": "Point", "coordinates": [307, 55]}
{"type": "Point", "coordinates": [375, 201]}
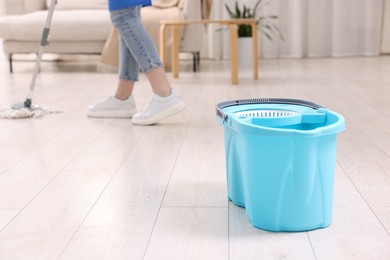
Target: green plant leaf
{"type": "Point", "coordinates": [244, 11]}
{"type": "Point", "coordinates": [279, 32]}
{"type": "Point", "coordinates": [264, 23]}
{"type": "Point", "coordinates": [229, 11]}
{"type": "Point", "coordinates": [255, 8]}
{"type": "Point", "coordinates": [238, 11]}
{"type": "Point", "coordinates": [268, 36]}
{"type": "Point", "coordinates": [267, 17]}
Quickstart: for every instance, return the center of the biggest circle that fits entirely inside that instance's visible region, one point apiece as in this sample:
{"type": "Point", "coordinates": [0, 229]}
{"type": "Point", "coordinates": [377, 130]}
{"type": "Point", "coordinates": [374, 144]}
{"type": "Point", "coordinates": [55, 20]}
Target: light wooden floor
{"type": "Point", "coordinates": [73, 187]}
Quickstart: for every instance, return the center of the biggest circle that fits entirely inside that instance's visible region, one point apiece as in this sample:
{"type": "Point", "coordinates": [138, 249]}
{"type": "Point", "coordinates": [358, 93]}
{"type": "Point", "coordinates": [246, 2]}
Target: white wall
{"type": "Point", "coordinates": [2, 3]}
{"type": "Point", "coordinates": [1, 42]}
{"type": "Point", "coordinates": [386, 29]}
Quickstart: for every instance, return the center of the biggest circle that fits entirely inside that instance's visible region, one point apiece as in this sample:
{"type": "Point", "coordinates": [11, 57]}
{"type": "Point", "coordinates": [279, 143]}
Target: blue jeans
{"type": "Point", "coordinates": [137, 49]}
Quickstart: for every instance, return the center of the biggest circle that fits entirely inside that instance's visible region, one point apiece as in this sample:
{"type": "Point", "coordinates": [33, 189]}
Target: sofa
{"type": "Point", "coordinates": [84, 26]}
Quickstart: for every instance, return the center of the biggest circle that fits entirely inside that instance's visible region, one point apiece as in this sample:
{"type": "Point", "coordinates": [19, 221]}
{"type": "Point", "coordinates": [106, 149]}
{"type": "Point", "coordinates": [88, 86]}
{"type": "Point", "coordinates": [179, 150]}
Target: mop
{"type": "Point", "coordinates": [27, 109]}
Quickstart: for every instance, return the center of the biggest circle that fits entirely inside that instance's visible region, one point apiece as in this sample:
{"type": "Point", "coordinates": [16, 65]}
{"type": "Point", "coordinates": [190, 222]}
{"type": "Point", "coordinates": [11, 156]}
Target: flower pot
{"type": "Point", "coordinates": [245, 51]}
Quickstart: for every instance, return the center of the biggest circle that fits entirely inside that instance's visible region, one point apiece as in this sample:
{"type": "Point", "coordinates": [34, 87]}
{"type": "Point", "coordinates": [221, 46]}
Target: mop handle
{"type": "Point", "coordinates": [44, 42]}
{"type": "Point", "coordinates": [46, 30]}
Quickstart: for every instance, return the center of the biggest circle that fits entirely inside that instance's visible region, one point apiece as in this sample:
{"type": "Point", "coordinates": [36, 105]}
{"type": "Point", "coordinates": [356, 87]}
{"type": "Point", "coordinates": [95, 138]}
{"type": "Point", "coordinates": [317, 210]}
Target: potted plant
{"type": "Point", "coordinates": [265, 25]}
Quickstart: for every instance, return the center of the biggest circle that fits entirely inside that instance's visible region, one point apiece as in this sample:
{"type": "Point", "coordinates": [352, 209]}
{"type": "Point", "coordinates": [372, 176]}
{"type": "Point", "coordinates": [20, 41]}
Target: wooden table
{"type": "Point", "coordinates": [231, 24]}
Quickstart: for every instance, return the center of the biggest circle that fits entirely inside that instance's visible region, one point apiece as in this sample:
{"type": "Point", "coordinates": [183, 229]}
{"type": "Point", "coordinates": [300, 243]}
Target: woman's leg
{"type": "Point", "coordinates": [128, 72]}
{"type": "Point", "coordinates": [122, 104]}
{"type": "Point", "coordinates": [124, 89]}
{"type": "Point", "coordinates": [159, 82]}
{"type": "Point", "coordinates": [143, 52]}
{"type": "Point", "coordinates": [165, 101]}
{"type": "Point", "coordinates": [141, 46]}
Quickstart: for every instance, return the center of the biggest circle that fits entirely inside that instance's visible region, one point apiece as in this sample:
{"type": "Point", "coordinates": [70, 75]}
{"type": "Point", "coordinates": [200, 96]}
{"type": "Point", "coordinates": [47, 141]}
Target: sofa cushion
{"type": "Point", "coordinates": [84, 25]}
{"type": "Point", "coordinates": [79, 4]}
{"type": "Point", "coordinates": [165, 3]}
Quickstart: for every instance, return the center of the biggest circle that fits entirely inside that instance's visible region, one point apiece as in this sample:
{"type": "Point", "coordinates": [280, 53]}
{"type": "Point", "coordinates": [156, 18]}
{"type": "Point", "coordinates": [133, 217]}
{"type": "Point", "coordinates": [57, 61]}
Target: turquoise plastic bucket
{"type": "Point", "coordinates": [280, 160]}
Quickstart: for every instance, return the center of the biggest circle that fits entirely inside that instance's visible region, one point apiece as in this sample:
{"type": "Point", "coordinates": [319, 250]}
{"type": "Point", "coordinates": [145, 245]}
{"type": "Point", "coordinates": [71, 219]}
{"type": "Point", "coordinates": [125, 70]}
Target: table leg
{"type": "Point", "coordinates": [255, 52]}
{"type": "Point", "coordinates": [175, 50]}
{"type": "Point", "coordinates": [233, 53]}
{"type": "Point", "coordinates": [162, 43]}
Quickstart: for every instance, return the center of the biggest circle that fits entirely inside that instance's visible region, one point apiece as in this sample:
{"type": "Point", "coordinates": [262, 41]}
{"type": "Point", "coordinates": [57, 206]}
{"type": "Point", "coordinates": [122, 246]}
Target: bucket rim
{"type": "Point", "coordinates": [261, 101]}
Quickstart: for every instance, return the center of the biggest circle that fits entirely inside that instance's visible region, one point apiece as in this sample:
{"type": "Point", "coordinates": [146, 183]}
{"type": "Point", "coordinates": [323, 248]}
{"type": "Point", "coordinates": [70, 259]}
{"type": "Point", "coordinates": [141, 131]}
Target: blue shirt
{"type": "Point", "coordinates": [120, 4]}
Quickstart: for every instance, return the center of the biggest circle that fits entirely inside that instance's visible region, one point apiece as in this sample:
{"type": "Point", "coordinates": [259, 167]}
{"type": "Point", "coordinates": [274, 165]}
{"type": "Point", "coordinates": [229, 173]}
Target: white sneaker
{"type": "Point", "coordinates": [159, 108]}
{"type": "Point", "coordinates": [113, 107]}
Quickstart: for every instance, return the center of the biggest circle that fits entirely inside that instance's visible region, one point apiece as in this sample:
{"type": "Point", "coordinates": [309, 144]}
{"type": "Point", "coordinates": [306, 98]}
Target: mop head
{"type": "Point", "coordinates": [17, 110]}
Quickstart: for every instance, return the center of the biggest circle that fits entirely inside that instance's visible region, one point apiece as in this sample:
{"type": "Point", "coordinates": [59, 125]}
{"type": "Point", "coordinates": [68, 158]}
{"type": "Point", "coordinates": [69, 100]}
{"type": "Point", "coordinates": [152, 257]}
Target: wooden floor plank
{"type": "Point", "coordinates": [248, 242]}
{"type": "Point", "coordinates": [6, 216]}
{"type": "Point", "coordinates": [120, 224]}
{"type": "Point", "coordinates": [199, 175]}
{"type": "Point", "coordinates": [354, 227]}
{"type": "Point", "coordinates": [22, 182]}
{"type": "Point", "coordinates": [45, 226]}
{"type": "Point", "coordinates": [189, 233]}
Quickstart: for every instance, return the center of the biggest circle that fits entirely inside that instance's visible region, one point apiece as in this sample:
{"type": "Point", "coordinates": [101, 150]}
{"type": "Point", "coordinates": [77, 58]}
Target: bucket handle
{"type": "Point", "coordinates": [237, 102]}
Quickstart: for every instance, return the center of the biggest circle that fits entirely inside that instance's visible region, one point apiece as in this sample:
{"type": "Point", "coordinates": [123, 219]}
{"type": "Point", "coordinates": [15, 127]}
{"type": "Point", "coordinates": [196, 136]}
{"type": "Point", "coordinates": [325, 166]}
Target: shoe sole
{"type": "Point", "coordinates": [117, 114]}
{"type": "Point", "coordinates": [165, 114]}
